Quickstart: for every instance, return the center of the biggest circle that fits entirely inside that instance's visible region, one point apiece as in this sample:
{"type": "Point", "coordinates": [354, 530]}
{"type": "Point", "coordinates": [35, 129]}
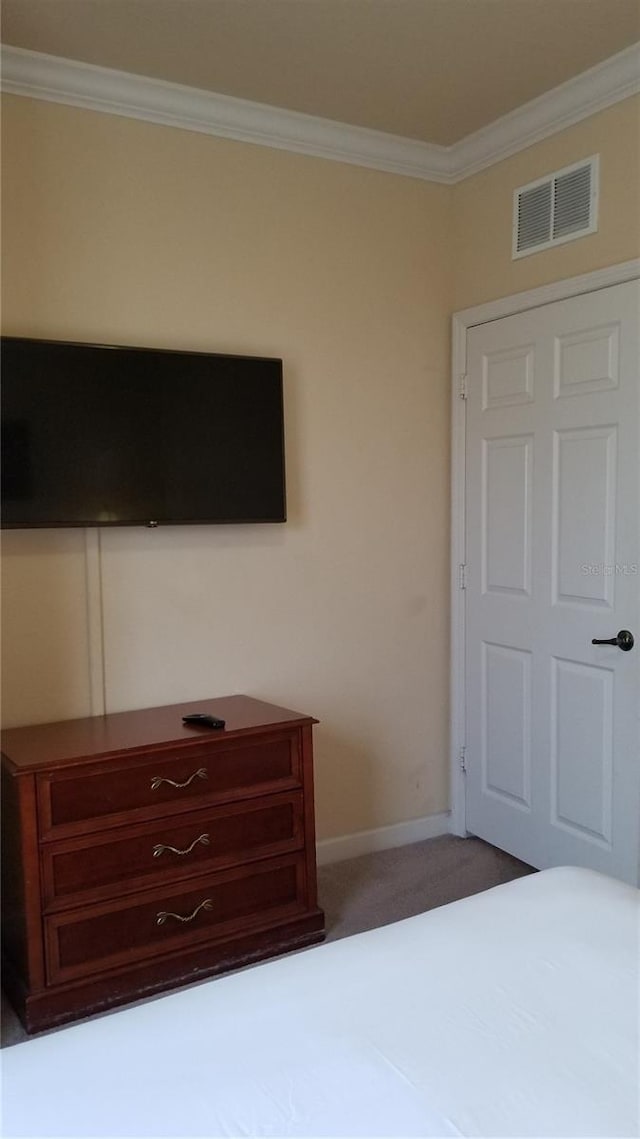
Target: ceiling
{"type": "Point", "coordinates": [433, 70]}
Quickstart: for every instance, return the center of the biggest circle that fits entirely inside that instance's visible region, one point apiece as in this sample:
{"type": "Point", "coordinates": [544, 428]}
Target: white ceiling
{"type": "Point", "coordinates": [433, 70]}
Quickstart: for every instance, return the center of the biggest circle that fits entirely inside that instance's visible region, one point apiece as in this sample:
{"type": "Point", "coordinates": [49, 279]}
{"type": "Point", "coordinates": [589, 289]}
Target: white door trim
{"type": "Point", "coordinates": [462, 321]}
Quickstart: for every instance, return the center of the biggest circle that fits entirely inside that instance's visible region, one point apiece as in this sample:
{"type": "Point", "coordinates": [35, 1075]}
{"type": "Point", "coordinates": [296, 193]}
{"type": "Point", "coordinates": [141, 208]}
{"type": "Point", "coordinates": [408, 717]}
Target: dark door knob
{"type": "Point", "coordinates": [624, 640]}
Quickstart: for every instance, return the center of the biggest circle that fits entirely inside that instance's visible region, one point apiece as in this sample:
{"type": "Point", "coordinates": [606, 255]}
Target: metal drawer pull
{"type": "Point", "coordinates": [157, 779]}
{"type": "Point", "coordinates": [160, 847]}
{"type": "Point", "coordinates": [164, 914]}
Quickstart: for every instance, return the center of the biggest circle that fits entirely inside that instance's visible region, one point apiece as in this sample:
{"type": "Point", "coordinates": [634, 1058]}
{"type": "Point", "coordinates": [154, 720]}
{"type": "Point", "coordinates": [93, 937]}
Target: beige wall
{"type": "Point", "coordinates": [121, 231]}
{"type": "Point", "coordinates": [483, 208]}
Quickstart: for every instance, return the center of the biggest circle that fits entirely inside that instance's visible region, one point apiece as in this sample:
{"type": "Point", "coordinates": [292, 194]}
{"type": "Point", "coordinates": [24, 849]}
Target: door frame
{"type": "Point", "coordinates": [462, 321]}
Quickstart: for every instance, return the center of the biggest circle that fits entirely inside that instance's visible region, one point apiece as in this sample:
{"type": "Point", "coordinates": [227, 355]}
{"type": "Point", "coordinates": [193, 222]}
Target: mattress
{"type": "Point", "coordinates": [510, 1013]}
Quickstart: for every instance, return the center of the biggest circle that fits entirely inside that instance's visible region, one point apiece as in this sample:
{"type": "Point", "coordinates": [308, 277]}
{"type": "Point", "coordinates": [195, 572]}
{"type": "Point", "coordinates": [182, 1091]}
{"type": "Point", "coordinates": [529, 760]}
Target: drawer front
{"type": "Point", "coordinates": [124, 860]}
{"type": "Point", "coordinates": [90, 940]}
{"type": "Point", "coordinates": [140, 787]}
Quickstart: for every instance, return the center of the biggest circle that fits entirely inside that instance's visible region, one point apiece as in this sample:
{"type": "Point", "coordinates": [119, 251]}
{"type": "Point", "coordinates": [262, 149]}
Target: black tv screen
{"type": "Point", "coordinates": [95, 435]}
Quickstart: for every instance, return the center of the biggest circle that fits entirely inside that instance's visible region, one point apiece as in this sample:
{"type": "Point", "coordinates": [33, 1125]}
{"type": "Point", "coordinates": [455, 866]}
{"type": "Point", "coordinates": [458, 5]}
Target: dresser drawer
{"type": "Point", "coordinates": [126, 859]}
{"type": "Point", "coordinates": [173, 780]}
{"type": "Point", "coordinates": [96, 938]}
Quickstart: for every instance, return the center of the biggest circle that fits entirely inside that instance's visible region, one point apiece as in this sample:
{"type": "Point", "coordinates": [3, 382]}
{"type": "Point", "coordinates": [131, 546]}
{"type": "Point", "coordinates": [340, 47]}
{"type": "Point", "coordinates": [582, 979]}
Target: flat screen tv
{"type": "Point", "coordinates": [99, 435]}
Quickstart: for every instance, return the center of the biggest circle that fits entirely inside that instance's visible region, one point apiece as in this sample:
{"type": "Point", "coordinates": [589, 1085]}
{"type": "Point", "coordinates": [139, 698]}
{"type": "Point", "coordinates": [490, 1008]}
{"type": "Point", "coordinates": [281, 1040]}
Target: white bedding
{"type": "Point", "coordinates": [511, 1013]}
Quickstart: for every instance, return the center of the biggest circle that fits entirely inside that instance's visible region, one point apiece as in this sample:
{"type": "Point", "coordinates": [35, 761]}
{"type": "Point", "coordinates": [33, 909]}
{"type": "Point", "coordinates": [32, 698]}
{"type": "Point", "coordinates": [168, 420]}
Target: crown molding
{"type": "Point", "coordinates": [77, 84]}
{"type": "Point", "coordinates": [71, 82]}
{"type": "Point", "coordinates": [610, 82]}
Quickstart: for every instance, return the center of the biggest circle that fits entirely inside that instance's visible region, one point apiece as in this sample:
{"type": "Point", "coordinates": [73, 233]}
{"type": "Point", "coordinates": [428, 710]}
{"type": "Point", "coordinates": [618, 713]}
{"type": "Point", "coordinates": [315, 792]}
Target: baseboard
{"type": "Point", "coordinates": [381, 838]}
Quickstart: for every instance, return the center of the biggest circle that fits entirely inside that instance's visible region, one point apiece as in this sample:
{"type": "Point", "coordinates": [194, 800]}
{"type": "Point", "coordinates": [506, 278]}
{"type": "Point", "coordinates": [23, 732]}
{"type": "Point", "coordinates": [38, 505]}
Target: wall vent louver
{"type": "Point", "coordinates": [557, 208]}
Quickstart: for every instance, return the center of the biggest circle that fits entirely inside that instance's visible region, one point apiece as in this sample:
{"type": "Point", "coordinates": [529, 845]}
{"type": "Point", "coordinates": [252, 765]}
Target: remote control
{"type": "Point", "coordinates": [202, 720]}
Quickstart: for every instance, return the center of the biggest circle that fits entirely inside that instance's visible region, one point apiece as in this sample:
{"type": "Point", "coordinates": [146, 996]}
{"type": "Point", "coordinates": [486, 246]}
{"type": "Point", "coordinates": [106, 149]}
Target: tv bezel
{"type": "Point", "coordinates": [153, 523]}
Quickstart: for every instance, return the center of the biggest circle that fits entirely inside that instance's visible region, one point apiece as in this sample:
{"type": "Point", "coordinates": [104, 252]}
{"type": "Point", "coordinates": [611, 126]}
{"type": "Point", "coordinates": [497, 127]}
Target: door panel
{"type": "Point", "coordinates": [584, 519]}
{"type": "Point", "coordinates": [506, 723]}
{"type": "Point", "coordinates": [506, 495]}
{"type": "Point", "coordinates": [552, 541]}
{"type": "Point", "coordinates": [582, 749]}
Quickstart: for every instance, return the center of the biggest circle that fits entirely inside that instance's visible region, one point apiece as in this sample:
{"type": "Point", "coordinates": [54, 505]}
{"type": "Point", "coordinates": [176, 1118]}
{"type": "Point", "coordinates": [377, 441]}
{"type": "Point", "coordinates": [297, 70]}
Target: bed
{"type": "Point", "coordinates": [510, 1013]}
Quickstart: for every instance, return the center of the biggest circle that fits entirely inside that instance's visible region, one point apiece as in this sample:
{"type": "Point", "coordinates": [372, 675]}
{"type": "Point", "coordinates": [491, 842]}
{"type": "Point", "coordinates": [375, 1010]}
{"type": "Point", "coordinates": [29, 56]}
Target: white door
{"type": "Point", "coordinates": [553, 546]}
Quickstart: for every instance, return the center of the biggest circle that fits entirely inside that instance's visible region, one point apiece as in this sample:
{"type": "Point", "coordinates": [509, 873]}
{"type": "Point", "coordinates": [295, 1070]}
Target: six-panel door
{"type": "Point", "coordinates": [553, 552]}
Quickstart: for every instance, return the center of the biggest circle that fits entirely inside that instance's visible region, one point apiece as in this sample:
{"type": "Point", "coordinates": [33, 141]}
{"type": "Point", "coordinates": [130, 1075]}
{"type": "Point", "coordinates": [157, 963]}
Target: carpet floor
{"type": "Point", "coordinates": [380, 888]}
{"type": "Point", "coordinates": [376, 889]}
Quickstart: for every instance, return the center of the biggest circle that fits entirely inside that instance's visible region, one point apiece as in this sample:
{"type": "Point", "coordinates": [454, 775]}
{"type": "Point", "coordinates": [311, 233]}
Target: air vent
{"type": "Point", "coordinates": [555, 209]}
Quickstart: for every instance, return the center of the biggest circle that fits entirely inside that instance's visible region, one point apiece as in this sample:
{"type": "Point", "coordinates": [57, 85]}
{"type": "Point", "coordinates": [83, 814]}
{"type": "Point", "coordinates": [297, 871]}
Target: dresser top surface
{"type": "Point", "coordinates": [43, 745]}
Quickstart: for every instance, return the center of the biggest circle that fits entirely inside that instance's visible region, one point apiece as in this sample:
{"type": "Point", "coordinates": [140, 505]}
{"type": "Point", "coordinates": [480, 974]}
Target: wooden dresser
{"type": "Point", "coordinates": [140, 854]}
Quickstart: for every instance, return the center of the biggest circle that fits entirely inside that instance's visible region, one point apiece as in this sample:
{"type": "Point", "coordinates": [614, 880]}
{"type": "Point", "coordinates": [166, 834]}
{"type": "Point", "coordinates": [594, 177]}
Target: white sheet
{"type": "Point", "coordinates": [511, 1013]}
